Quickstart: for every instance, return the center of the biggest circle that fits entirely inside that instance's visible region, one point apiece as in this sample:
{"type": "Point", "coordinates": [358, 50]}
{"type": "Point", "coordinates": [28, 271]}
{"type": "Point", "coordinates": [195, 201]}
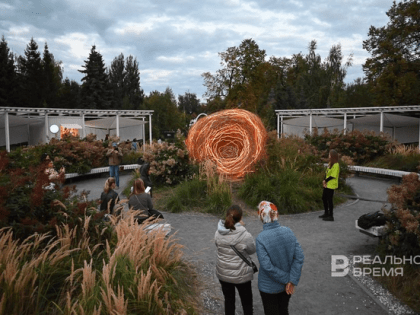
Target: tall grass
{"type": "Point", "coordinates": [209, 192]}
{"type": "Point", "coordinates": [400, 157]}
{"type": "Point", "coordinates": [133, 273]}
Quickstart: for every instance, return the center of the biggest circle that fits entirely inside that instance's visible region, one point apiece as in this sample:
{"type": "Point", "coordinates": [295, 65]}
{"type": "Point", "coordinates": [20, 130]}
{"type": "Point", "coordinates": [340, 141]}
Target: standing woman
{"type": "Point", "coordinates": [140, 200]}
{"type": "Point", "coordinates": [231, 270]}
{"type": "Point", "coordinates": [109, 196]}
{"type": "Point", "coordinates": [330, 183]}
{"type": "Point", "coordinates": [281, 260]}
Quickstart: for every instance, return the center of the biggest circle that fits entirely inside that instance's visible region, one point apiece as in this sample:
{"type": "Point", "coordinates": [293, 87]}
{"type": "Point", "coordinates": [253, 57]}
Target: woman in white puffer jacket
{"type": "Point", "coordinates": [231, 270]}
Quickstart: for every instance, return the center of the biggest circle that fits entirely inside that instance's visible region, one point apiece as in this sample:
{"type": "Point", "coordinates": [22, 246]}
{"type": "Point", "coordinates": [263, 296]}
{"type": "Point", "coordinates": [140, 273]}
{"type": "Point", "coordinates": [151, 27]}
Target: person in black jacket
{"type": "Point", "coordinates": [109, 197]}
{"type": "Point", "coordinates": [144, 176]}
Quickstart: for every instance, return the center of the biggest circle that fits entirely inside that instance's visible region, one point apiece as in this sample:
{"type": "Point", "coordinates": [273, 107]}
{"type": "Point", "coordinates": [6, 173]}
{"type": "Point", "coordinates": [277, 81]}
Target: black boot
{"type": "Point", "coordinates": [324, 215]}
{"type": "Point", "coordinates": [329, 216]}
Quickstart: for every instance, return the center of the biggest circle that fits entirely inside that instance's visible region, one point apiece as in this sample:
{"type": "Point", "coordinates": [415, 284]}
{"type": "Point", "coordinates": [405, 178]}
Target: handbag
{"type": "Point", "coordinates": [251, 264]}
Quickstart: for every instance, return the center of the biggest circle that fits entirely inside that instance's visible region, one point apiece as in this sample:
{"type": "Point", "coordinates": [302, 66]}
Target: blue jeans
{"type": "Point", "coordinates": [114, 171]}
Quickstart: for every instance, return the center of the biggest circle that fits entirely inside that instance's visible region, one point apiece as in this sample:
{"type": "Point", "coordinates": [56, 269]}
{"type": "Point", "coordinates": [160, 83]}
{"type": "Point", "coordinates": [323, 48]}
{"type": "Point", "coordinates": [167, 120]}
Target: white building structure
{"type": "Point", "coordinates": [402, 123]}
{"type": "Point", "coordinates": [35, 125]}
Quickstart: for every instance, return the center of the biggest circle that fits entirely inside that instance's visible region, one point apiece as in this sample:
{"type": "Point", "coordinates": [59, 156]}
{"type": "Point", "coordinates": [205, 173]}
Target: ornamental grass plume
{"type": "Point", "coordinates": [133, 271]}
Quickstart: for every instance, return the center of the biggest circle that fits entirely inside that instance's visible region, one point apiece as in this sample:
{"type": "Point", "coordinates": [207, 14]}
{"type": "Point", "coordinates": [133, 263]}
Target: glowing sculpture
{"type": "Point", "coordinates": [234, 139]}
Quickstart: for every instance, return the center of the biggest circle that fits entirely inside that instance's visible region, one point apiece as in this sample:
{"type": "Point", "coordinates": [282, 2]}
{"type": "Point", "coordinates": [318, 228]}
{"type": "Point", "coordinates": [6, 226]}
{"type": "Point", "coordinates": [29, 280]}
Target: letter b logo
{"type": "Point", "coordinates": [337, 265]}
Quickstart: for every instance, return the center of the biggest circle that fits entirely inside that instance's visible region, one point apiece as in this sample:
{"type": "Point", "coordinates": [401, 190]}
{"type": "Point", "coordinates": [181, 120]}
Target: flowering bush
{"type": "Point", "coordinates": [359, 146]}
{"type": "Point", "coordinates": [403, 233]}
{"type": "Point", "coordinates": [28, 207]}
{"type": "Point", "coordinates": [169, 162]}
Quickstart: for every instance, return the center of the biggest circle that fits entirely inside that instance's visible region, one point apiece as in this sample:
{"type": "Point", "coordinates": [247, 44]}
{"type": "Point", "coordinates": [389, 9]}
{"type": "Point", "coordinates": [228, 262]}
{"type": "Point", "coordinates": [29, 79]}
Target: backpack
{"type": "Point", "coordinates": [368, 220]}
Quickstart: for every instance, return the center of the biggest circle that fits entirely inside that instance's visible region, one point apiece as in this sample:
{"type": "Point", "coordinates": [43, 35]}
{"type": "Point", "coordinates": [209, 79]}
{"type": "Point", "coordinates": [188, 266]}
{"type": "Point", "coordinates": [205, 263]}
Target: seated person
{"type": "Point", "coordinates": [109, 196]}
{"type": "Point", "coordinates": [140, 200]}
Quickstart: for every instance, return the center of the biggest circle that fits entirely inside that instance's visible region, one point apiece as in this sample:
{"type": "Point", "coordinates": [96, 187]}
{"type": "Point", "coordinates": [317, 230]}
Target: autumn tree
{"type": "Point", "coordinates": [393, 69]}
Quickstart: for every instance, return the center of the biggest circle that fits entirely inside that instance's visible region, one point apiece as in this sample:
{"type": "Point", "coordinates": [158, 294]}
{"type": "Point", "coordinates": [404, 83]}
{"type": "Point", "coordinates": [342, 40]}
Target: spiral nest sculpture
{"type": "Point", "coordinates": [234, 139]}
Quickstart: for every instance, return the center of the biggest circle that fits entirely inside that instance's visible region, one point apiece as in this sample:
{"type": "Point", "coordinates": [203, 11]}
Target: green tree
{"type": "Point", "coordinates": [70, 94]}
{"type": "Point", "coordinates": [189, 103]}
{"type": "Point", "coordinates": [31, 74]}
{"type": "Point", "coordinates": [95, 88]}
{"type": "Point", "coordinates": [132, 83]}
{"type": "Point", "coordinates": [166, 115]}
{"type": "Point", "coordinates": [8, 78]}
{"type": "Point", "coordinates": [117, 76]}
{"type": "Point", "coordinates": [393, 70]}
{"type": "Point", "coordinates": [51, 80]}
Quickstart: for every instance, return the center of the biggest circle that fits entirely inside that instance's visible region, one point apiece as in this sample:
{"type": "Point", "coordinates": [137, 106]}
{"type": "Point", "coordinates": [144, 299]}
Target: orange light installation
{"type": "Point", "coordinates": [233, 138]}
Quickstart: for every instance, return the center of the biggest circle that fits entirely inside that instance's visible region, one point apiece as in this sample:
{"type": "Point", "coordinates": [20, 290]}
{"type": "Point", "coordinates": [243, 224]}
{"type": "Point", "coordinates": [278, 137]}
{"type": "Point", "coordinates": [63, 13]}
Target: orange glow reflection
{"type": "Point", "coordinates": [234, 139]}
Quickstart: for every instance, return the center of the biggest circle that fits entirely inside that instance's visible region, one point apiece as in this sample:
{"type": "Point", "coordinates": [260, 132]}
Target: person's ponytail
{"type": "Point", "coordinates": [233, 216]}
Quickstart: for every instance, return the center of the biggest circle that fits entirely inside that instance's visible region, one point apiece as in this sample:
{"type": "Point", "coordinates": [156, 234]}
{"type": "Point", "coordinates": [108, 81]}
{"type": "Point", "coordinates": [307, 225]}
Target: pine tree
{"type": "Point", "coordinates": [8, 79]}
{"type": "Point", "coordinates": [95, 87]}
{"type": "Point", "coordinates": [117, 76]}
{"type": "Point", "coordinates": [51, 79]}
{"type": "Point", "coordinates": [132, 83]}
{"type": "Point", "coordinates": [31, 74]}
{"type": "Point", "coordinates": [69, 96]}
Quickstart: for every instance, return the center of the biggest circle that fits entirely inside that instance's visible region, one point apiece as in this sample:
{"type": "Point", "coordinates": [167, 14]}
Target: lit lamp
{"type": "Point", "coordinates": [54, 129]}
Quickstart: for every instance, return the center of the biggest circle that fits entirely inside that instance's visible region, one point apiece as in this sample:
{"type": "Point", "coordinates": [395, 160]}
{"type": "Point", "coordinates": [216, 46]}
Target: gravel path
{"type": "Point", "coordinates": [317, 292]}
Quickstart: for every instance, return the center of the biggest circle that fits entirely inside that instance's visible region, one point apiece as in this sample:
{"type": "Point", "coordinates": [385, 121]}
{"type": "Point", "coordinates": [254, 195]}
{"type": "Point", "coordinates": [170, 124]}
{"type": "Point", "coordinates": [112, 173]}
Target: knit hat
{"type": "Point", "coordinates": [267, 212]}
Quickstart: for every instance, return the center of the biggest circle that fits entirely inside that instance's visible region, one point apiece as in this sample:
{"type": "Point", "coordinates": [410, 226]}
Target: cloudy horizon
{"type": "Point", "coordinates": [175, 42]}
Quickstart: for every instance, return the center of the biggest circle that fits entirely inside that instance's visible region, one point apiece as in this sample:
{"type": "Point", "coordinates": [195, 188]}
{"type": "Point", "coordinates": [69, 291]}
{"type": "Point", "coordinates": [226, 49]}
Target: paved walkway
{"type": "Point", "coordinates": [317, 292]}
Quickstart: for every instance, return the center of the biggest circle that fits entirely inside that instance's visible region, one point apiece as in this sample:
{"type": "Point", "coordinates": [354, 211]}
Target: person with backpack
{"type": "Point", "coordinates": [330, 183]}
{"type": "Point", "coordinates": [232, 270]}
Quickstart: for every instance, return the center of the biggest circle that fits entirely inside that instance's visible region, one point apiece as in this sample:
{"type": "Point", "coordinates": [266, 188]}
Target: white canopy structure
{"type": "Point", "coordinates": [404, 127]}
{"type": "Point", "coordinates": [32, 125]}
{"type": "Point", "coordinates": [299, 126]}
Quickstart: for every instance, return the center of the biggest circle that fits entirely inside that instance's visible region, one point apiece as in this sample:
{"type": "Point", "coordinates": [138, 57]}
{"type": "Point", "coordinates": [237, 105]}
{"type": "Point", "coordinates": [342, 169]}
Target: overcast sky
{"type": "Point", "coordinates": [176, 41]}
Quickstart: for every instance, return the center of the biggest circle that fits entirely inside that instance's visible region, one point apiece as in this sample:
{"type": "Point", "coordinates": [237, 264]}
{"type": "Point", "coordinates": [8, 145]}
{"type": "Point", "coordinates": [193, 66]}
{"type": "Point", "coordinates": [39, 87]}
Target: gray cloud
{"type": "Point", "coordinates": [176, 41]}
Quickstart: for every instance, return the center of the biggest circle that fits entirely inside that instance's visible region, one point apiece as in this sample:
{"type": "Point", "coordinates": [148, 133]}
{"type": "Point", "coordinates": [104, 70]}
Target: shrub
{"type": "Point", "coordinates": [360, 146]}
{"type": "Point", "coordinates": [169, 163]}
{"type": "Point", "coordinates": [403, 234]}
{"type": "Point", "coordinates": [291, 176]}
{"type": "Point", "coordinates": [401, 157]}
{"type": "Point", "coordinates": [28, 207]}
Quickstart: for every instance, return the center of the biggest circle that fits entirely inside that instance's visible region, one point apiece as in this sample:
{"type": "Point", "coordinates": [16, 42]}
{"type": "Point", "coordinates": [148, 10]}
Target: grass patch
{"type": "Point", "coordinates": [406, 288]}
{"type": "Point", "coordinates": [195, 195]}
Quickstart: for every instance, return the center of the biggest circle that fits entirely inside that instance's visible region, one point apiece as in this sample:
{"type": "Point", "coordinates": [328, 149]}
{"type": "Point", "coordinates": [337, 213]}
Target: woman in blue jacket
{"type": "Point", "coordinates": [281, 260]}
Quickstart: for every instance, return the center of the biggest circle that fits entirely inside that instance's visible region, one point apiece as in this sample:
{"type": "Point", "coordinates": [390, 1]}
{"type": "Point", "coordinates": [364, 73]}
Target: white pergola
{"type": "Point", "coordinates": [29, 115]}
{"type": "Point", "coordinates": [414, 110]}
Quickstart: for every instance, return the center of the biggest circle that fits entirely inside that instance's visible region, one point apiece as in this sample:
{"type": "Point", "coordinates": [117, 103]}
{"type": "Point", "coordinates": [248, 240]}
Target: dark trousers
{"type": "Point", "coordinates": [327, 198]}
{"type": "Point", "coordinates": [245, 293]}
{"type": "Point", "coordinates": [275, 304]}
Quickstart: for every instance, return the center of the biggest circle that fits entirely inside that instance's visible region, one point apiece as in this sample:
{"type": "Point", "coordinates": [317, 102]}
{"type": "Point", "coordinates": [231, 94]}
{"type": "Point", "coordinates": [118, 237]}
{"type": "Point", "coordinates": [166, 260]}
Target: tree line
{"type": "Point", "coordinates": [245, 80]}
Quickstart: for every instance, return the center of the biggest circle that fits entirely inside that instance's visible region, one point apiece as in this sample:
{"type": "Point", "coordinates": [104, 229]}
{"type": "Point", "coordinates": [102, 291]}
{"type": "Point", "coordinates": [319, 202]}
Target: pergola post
{"type": "Point", "coordinates": [381, 126]}
{"type": "Point", "coordinates": [83, 126]}
{"type": "Point", "coordinates": [117, 121]}
{"type": "Point", "coordinates": [150, 128]}
{"type": "Point", "coordinates": [419, 134]}
{"type": "Point", "coordinates": [278, 126]}
{"type": "Point", "coordinates": [345, 124]}
{"type": "Point", "coordinates": [7, 131]}
{"type": "Point", "coordinates": [144, 133]}
{"type": "Point", "coordinates": [46, 128]}
{"type": "Point", "coordinates": [281, 127]}
{"type": "Point", "coordinates": [310, 124]}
